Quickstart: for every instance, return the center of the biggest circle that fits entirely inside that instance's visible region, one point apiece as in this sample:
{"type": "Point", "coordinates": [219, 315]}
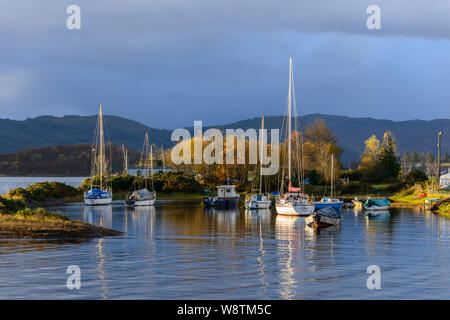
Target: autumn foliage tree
{"type": "Point", "coordinates": [380, 161]}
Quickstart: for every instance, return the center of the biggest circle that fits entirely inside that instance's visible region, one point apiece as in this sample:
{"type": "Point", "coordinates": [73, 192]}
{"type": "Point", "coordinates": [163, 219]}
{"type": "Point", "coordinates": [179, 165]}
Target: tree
{"type": "Point", "coordinates": [320, 146]}
{"type": "Point", "coordinates": [388, 157]}
{"type": "Point", "coordinates": [370, 155]}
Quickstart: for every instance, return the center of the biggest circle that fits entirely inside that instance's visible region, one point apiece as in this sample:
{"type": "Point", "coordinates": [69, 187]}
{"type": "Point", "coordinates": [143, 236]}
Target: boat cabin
{"type": "Point", "coordinates": [226, 192]}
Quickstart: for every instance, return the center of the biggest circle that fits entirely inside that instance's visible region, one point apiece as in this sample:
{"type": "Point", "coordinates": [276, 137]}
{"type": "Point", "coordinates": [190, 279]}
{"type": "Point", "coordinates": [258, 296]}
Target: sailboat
{"type": "Point", "coordinates": [294, 202]}
{"type": "Point", "coordinates": [141, 195]}
{"type": "Point", "coordinates": [330, 201]}
{"type": "Point", "coordinates": [99, 193]}
{"type": "Point", "coordinates": [258, 200]}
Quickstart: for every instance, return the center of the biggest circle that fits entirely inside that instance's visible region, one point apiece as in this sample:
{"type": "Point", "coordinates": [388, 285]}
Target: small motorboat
{"type": "Point", "coordinates": [377, 204]}
{"type": "Point", "coordinates": [226, 197]}
{"type": "Point", "coordinates": [324, 217]}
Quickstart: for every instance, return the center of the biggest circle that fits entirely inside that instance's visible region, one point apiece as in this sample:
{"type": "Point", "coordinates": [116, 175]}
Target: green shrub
{"type": "Point", "coordinates": [10, 206]}
{"type": "Point", "coordinates": [415, 176]}
{"type": "Point", "coordinates": [39, 213]}
{"type": "Point", "coordinates": [43, 190]}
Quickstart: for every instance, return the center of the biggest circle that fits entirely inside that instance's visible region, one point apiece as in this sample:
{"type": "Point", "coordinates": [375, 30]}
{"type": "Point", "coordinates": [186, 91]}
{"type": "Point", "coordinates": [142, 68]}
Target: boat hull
{"type": "Point", "coordinates": [376, 208]}
{"type": "Point", "coordinates": [336, 205]}
{"type": "Point", "coordinates": [294, 210]}
{"type": "Point", "coordinates": [263, 204]}
{"type": "Point", "coordinates": [97, 202]}
{"type": "Point", "coordinates": [140, 203]}
{"type": "Point", "coordinates": [221, 202]}
{"type": "Point", "coordinates": [318, 221]}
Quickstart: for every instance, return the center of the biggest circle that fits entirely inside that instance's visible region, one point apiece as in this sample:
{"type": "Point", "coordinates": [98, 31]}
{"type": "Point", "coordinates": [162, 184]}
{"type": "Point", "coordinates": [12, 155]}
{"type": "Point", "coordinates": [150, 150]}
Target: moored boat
{"type": "Point", "coordinates": [377, 204]}
{"type": "Point", "coordinates": [294, 202]}
{"type": "Point", "coordinates": [330, 201]}
{"type": "Point", "coordinates": [324, 217]}
{"type": "Point", "coordinates": [226, 197]}
{"type": "Point", "coordinates": [141, 195]}
{"type": "Point", "coordinates": [257, 200]}
{"type": "Point", "coordinates": [100, 192]}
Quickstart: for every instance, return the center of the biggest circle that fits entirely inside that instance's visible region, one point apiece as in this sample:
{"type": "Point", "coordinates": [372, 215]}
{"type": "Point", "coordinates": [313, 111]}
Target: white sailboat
{"type": "Point", "coordinates": [141, 195]}
{"type": "Point", "coordinates": [330, 201]}
{"type": "Point", "coordinates": [99, 193]}
{"type": "Point", "coordinates": [258, 200]}
{"type": "Point", "coordinates": [294, 202]}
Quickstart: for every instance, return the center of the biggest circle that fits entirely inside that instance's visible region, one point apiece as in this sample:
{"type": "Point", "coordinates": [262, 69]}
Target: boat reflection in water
{"type": "Point", "coordinates": [288, 231]}
{"type": "Point", "coordinates": [99, 215]}
{"type": "Point", "coordinates": [253, 217]}
{"type": "Point", "coordinates": [378, 215]}
{"type": "Point", "coordinates": [314, 231]}
{"type": "Point", "coordinates": [140, 219]}
{"type": "Point", "coordinates": [226, 218]}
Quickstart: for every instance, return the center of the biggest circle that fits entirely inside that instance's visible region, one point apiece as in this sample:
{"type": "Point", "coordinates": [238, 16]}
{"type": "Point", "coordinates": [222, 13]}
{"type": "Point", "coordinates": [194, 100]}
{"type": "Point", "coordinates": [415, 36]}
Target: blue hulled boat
{"type": "Point", "coordinates": [226, 197]}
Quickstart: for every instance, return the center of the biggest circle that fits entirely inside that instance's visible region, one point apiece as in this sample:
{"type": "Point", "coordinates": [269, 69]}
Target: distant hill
{"type": "Point", "coordinates": [351, 132]}
{"type": "Point", "coordinates": [59, 160]}
{"type": "Point", "coordinates": [70, 130]}
{"type": "Point", "coordinates": [419, 135]}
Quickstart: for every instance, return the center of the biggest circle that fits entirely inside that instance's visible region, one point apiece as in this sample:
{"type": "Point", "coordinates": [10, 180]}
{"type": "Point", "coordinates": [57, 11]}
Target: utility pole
{"type": "Point", "coordinates": [439, 157]}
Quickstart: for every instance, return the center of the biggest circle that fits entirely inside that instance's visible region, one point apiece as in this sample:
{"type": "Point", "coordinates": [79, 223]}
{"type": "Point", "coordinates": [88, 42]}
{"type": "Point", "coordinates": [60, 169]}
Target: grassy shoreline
{"type": "Point", "coordinates": [22, 215]}
{"type": "Point", "coordinates": [38, 223]}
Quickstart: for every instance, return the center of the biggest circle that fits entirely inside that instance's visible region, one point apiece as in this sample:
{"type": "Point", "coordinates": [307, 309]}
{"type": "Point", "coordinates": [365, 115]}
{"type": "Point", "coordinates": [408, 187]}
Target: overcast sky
{"type": "Point", "coordinates": [167, 63]}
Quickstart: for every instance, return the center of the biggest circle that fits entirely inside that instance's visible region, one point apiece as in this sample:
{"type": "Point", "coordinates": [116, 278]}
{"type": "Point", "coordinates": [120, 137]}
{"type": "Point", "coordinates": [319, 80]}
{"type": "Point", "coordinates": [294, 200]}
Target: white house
{"type": "Point", "coordinates": [141, 172]}
{"type": "Point", "coordinates": [445, 181]}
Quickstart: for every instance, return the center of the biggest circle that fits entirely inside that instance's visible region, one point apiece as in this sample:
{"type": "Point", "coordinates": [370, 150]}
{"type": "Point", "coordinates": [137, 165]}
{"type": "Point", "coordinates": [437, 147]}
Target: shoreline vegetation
{"type": "Point", "coordinates": [22, 217]}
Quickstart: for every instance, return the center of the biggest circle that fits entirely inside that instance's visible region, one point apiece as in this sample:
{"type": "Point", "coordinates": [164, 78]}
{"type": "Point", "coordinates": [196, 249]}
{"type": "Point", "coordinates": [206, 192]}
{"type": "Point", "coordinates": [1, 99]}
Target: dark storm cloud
{"type": "Point", "coordinates": [166, 63]}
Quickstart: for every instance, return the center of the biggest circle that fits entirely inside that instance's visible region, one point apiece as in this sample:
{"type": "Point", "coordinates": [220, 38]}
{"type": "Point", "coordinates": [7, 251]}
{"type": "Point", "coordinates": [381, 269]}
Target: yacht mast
{"type": "Point", "coordinates": [146, 159]}
{"type": "Point", "coordinates": [125, 159]}
{"type": "Point", "coordinates": [289, 115]}
{"type": "Point", "coordinates": [163, 160]}
{"type": "Point", "coordinates": [151, 161]}
{"type": "Point", "coordinates": [332, 174]}
{"type": "Point", "coordinates": [101, 156]}
{"type": "Point", "coordinates": [260, 156]}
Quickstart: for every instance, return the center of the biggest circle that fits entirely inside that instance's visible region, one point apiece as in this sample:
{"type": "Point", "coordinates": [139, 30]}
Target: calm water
{"type": "Point", "coordinates": [7, 183]}
{"type": "Point", "coordinates": [177, 250]}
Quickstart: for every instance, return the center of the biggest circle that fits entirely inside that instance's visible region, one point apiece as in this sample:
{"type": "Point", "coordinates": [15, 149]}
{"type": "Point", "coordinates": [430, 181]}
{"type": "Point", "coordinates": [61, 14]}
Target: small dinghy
{"type": "Point", "coordinates": [323, 218]}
